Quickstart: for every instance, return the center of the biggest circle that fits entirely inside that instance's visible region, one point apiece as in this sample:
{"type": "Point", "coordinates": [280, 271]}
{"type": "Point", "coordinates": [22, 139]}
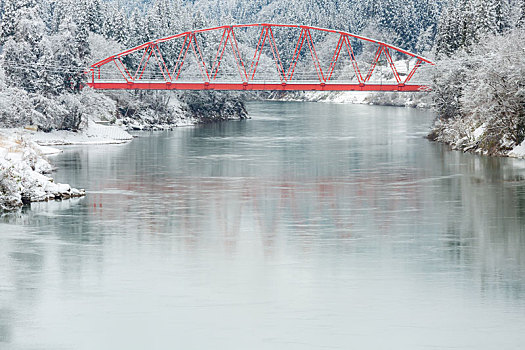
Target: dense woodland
{"type": "Point", "coordinates": [46, 44]}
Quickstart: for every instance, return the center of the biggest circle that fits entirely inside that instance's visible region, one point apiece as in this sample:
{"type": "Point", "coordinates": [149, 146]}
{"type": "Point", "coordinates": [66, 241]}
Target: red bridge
{"type": "Point", "coordinates": [231, 58]}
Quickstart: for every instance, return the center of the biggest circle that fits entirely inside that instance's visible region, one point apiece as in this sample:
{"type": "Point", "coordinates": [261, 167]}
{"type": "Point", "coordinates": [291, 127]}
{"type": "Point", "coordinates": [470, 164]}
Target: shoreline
{"type": "Point", "coordinates": [24, 163]}
{"type": "Point", "coordinates": [467, 135]}
{"type": "Point", "coordinates": [24, 170]}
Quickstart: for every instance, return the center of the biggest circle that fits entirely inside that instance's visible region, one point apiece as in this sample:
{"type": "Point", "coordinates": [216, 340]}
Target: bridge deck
{"type": "Point", "coordinates": [252, 86]}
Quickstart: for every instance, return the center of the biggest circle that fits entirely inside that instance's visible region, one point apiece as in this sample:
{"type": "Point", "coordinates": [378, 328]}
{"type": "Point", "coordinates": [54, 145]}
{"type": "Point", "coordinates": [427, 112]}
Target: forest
{"type": "Point", "coordinates": [46, 45]}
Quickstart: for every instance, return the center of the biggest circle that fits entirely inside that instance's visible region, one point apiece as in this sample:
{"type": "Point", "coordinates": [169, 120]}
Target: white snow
{"type": "Point", "coordinates": [479, 131]}
{"type": "Point", "coordinates": [22, 169]}
{"type": "Point", "coordinates": [49, 151]}
{"type": "Point", "coordinates": [93, 134]}
{"type": "Point", "coordinates": [343, 97]}
{"type": "Point", "coordinates": [518, 151]}
{"type": "Point", "coordinates": [381, 75]}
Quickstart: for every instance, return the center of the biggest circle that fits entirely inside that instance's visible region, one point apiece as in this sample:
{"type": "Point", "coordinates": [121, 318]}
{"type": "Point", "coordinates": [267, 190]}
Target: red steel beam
{"type": "Point", "coordinates": [374, 64]}
{"type": "Point", "coordinates": [238, 57]}
{"type": "Point", "coordinates": [354, 61]}
{"type": "Point", "coordinates": [258, 52]}
{"type": "Point", "coordinates": [392, 65]}
{"type": "Point", "coordinates": [297, 52]}
{"type": "Point", "coordinates": [183, 52]}
{"type": "Point", "coordinates": [145, 64]}
{"type": "Point", "coordinates": [276, 56]}
{"type": "Point", "coordinates": [254, 86]}
{"type": "Point", "coordinates": [199, 57]}
{"type": "Point", "coordinates": [162, 63]}
{"type": "Point", "coordinates": [411, 74]}
{"type": "Point", "coordinates": [315, 58]}
{"type": "Point", "coordinates": [335, 58]}
{"type": "Point", "coordinates": [220, 52]}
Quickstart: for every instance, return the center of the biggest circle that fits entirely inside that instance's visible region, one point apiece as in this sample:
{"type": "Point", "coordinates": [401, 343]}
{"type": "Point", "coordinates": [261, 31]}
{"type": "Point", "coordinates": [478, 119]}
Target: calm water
{"type": "Point", "coordinates": [311, 226]}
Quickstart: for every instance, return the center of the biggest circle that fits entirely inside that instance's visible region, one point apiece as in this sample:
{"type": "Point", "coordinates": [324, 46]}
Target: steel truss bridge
{"type": "Point", "coordinates": [231, 58]}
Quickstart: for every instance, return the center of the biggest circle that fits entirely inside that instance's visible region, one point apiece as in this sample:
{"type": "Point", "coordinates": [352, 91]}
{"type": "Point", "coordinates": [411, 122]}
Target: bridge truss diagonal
{"type": "Point", "coordinates": [195, 60]}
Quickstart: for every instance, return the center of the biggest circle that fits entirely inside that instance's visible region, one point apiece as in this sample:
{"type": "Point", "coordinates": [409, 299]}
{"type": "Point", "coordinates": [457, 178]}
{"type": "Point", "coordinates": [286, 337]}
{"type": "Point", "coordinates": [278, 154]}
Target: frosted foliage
{"type": "Point", "coordinates": [480, 96]}
{"type": "Point", "coordinates": [19, 58]}
{"type": "Point", "coordinates": [495, 92]}
{"type": "Point", "coordinates": [17, 110]}
{"type": "Point", "coordinates": [464, 23]}
{"type": "Point", "coordinates": [97, 106]}
{"type": "Point", "coordinates": [102, 47]}
{"type": "Point", "coordinates": [3, 85]}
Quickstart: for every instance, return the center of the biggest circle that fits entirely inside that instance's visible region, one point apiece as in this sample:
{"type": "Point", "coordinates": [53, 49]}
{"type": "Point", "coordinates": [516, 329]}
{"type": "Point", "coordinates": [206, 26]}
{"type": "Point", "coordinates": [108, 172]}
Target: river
{"type": "Point", "coordinates": [309, 226]}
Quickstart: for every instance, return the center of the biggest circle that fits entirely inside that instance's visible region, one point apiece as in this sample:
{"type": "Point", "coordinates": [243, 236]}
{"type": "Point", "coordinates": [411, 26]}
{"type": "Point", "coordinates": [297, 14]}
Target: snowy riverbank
{"type": "Point", "coordinates": [23, 162]}
{"type": "Point", "coordinates": [93, 134]}
{"type": "Point", "coordinates": [23, 173]}
{"type": "Point", "coordinates": [381, 75]}
{"type": "Point", "coordinates": [469, 135]}
{"type": "Point", "coordinates": [396, 99]}
{"type": "Point", "coordinates": [480, 97]}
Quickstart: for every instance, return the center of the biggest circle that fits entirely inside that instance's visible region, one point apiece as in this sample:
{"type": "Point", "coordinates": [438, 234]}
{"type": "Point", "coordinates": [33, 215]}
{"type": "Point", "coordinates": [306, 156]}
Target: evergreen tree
{"type": "Point", "coordinates": [521, 17]}
{"type": "Point", "coordinates": [81, 34]}
{"type": "Point", "coordinates": [447, 38]}
{"type": "Point", "coordinates": [114, 23]}
{"type": "Point", "coordinates": [22, 44]}
{"type": "Point", "coordinates": [68, 56]}
{"type": "Point", "coordinates": [93, 15]}
{"type": "Point", "coordinates": [10, 17]}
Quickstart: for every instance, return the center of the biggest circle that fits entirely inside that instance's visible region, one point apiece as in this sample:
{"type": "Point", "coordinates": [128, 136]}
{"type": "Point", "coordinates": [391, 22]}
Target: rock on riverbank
{"type": "Point", "coordinates": [468, 134]}
{"type": "Point", "coordinates": [23, 169]}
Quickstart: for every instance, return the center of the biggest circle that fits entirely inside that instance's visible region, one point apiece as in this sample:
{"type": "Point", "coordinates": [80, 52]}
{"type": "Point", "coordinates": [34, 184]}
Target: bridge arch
{"type": "Point", "coordinates": [159, 64]}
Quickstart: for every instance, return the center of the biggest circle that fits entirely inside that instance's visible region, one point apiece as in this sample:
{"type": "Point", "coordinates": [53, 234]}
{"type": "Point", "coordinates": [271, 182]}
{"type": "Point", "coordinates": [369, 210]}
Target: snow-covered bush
{"type": "Point", "coordinates": [74, 119]}
{"type": "Point", "coordinates": [495, 89]}
{"type": "Point", "coordinates": [16, 108]}
{"type": "Point", "coordinates": [50, 112]}
{"type": "Point", "coordinates": [10, 186]}
{"type": "Point", "coordinates": [97, 106]}
{"type": "Point", "coordinates": [209, 106]}
{"type": "Point", "coordinates": [448, 84]}
{"type": "Point", "coordinates": [480, 96]}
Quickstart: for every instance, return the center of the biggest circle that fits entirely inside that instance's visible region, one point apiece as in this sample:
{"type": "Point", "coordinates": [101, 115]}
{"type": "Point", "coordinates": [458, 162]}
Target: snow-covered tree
{"type": "Point", "coordinates": [9, 19]}
{"type": "Point", "coordinates": [115, 23]}
{"type": "Point", "coordinates": [93, 15]}
{"type": "Point", "coordinates": [482, 91]}
{"type": "Point", "coordinates": [22, 45]}
{"type": "Point", "coordinates": [521, 17]}
{"type": "Point", "coordinates": [68, 55]}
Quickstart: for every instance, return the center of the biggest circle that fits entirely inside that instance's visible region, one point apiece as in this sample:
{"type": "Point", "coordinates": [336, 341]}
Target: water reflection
{"type": "Point", "coordinates": [309, 218]}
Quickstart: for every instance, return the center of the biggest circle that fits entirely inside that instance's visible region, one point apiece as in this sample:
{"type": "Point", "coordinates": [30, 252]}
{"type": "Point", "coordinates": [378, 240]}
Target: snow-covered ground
{"type": "Point", "coordinates": [381, 75]}
{"type": "Point", "coordinates": [467, 135]}
{"type": "Point", "coordinates": [93, 134]}
{"type": "Point", "coordinates": [23, 165]}
{"type": "Point", "coordinates": [518, 151]}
